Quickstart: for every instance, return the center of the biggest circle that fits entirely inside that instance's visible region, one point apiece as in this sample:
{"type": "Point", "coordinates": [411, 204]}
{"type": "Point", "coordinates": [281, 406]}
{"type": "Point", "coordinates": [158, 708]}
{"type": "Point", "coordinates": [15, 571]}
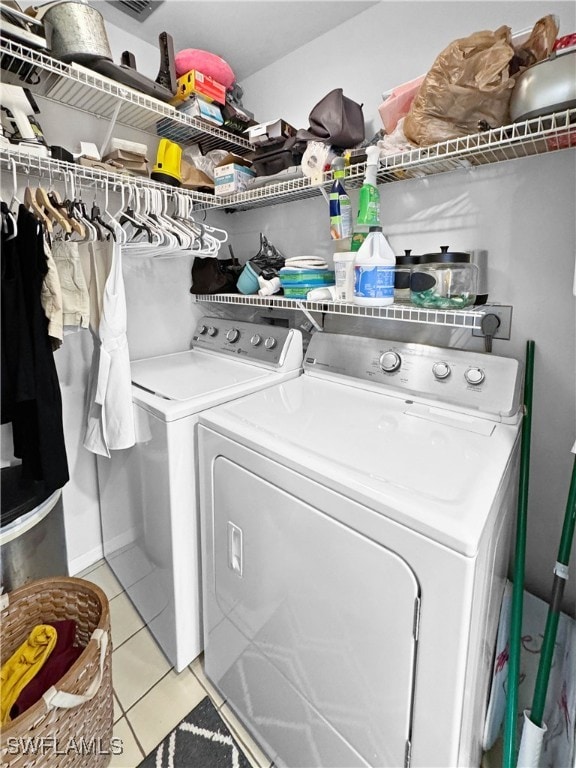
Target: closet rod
{"type": "Point", "coordinates": [39, 166]}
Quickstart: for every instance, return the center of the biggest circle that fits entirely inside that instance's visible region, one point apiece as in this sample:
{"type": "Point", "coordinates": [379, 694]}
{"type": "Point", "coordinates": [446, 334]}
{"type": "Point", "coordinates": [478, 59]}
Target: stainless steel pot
{"type": "Point", "coordinates": [75, 31]}
{"type": "Point", "coordinates": [546, 87]}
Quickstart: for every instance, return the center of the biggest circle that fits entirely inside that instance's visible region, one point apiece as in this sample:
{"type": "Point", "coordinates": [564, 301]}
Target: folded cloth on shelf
{"type": "Point", "coordinates": [23, 665]}
{"type": "Point", "coordinates": [63, 655]}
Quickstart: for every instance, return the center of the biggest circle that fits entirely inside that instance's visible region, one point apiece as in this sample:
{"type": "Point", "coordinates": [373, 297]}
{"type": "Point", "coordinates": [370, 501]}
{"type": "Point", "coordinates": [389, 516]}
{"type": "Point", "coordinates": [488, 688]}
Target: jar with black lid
{"type": "Point", "coordinates": [402, 275]}
{"type": "Point", "coordinates": [445, 280]}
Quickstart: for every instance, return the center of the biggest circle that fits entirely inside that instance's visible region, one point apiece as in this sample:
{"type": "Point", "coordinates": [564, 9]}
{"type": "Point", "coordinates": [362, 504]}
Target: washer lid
{"type": "Point", "coordinates": [179, 385]}
{"type": "Point", "coordinates": [436, 471]}
{"type": "Point", "coordinates": [185, 375]}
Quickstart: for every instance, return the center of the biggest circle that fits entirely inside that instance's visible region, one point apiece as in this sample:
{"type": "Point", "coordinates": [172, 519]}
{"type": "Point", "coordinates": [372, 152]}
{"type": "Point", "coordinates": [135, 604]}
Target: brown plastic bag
{"type": "Point", "coordinates": [467, 86]}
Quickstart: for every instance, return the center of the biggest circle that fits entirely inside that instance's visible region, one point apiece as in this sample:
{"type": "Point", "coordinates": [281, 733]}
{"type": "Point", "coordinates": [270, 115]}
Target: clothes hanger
{"type": "Point", "coordinates": [67, 206]}
{"type": "Point", "coordinates": [199, 244]}
{"type": "Point", "coordinates": [51, 211]}
{"type": "Point", "coordinates": [9, 218]}
{"type": "Point", "coordinates": [96, 218]}
{"type": "Point", "coordinates": [182, 237]}
{"type": "Point", "coordinates": [14, 201]}
{"type": "Point", "coordinates": [81, 213]}
{"type": "Point", "coordinates": [31, 205]}
{"type": "Point", "coordinates": [119, 234]}
{"type": "Point", "coordinates": [128, 217]}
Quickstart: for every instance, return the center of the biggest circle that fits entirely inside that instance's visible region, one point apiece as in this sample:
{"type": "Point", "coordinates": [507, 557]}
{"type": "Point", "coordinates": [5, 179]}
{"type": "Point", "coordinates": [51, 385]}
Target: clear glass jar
{"type": "Point", "coordinates": [443, 285]}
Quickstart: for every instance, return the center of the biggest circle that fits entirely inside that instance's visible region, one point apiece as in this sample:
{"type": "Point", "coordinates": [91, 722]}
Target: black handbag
{"type": "Point", "coordinates": [213, 275]}
{"type": "Point", "coordinates": [335, 120]}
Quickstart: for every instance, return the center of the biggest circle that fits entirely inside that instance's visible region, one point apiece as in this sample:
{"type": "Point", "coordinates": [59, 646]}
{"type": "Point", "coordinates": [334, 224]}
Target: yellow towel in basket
{"type": "Point", "coordinates": [23, 665]}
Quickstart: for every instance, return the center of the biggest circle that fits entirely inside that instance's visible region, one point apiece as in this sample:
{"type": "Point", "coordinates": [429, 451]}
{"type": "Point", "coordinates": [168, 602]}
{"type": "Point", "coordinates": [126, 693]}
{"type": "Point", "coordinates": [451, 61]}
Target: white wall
{"type": "Point", "coordinates": [390, 43]}
{"type": "Point", "coordinates": [521, 212]}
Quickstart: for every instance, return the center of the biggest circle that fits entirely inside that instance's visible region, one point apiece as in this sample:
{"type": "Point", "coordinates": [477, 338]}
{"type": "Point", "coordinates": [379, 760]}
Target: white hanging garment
{"type": "Point", "coordinates": [109, 412]}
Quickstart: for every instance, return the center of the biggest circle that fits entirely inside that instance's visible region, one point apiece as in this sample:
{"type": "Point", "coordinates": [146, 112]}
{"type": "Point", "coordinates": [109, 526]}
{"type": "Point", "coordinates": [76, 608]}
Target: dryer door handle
{"type": "Point", "coordinates": [235, 548]}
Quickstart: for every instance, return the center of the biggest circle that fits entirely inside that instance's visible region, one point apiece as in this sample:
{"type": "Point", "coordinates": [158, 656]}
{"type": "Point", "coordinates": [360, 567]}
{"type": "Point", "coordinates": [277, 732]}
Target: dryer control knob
{"type": "Point", "coordinates": [270, 342]}
{"type": "Point", "coordinates": [256, 340]}
{"type": "Point", "coordinates": [441, 370]}
{"type": "Point", "coordinates": [233, 335]}
{"type": "Point", "coordinates": [474, 376]}
{"type": "Point", "coordinates": [203, 330]}
{"type": "Point", "coordinates": [212, 331]}
{"type": "Point", "coordinates": [390, 361]}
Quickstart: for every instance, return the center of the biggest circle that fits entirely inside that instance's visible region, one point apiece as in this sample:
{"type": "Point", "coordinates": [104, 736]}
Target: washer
{"type": "Point", "coordinates": [355, 537]}
{"type": "Point", "coordinates": [148, 493]}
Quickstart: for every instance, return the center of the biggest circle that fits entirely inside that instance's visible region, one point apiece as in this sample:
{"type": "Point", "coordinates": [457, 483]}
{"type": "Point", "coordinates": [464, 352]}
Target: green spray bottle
{"type": "Point", "coordinates": [369, 200]}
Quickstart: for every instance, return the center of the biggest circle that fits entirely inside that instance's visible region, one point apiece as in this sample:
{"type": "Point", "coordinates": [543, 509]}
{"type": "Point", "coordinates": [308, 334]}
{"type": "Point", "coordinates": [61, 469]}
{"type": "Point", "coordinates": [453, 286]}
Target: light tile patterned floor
{"type": "Point", "coordinates": [150, 699]}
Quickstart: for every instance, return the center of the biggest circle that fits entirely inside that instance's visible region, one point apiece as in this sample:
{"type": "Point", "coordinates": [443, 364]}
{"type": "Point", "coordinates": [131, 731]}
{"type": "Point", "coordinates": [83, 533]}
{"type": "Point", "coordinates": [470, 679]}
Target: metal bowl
{"type": "Point", "coordinates": [546, 87]}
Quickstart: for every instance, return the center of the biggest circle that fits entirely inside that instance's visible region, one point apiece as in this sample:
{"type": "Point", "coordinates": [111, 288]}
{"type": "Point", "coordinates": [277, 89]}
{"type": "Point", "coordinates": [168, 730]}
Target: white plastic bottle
{"type": "Point", "coordinates": [374, 271]}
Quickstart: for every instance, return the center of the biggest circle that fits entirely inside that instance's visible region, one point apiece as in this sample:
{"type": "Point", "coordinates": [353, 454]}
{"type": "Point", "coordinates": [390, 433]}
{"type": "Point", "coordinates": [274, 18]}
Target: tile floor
{"type": "Point", "coordinates": [150, 699]}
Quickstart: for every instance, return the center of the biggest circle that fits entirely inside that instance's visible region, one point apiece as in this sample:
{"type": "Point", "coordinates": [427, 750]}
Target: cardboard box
{"type": "Point", "coordinates": [198, 106]}
{"type": "Point", "coordinates": [232, 174]}
{"type": "Point", "coordinates": [274, 130]}
{"type": "Point", "coordinates": [196, 82]}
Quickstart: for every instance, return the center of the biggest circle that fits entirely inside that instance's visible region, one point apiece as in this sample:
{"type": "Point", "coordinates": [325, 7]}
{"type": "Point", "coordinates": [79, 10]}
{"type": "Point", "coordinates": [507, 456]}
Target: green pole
{"type": "Point", "coordinates": [555, 607]}
{"type": "Point", "coordinates": [509, 751]}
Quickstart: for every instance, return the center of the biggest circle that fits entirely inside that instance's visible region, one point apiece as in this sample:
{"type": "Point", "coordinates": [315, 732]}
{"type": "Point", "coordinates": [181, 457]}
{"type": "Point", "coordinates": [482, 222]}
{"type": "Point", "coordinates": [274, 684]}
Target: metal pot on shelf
{"type": "Point", "coordinates": [548, 86]}
{"type": "Point", "coordinates": [75, 31]}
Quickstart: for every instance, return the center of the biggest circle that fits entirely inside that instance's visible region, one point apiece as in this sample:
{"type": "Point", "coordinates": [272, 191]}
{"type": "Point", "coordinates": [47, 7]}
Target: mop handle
{"type": "Point", "coordinates": [555, 607]}
{"type": "Point", "coordinates": [509, 751]}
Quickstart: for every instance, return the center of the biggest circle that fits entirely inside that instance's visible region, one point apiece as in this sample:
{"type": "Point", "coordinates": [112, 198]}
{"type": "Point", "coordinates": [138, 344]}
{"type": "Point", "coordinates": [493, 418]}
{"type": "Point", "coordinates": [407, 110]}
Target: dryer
{"type": "Point", "coordinates": [355, 538]}
{"type": "Point", "coordinates": [149, 494]}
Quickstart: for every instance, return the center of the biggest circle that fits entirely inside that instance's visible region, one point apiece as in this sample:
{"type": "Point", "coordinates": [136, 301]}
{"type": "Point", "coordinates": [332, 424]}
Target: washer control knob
{"type": "Point", "coordinates": [441, 370]}
{"type": "Point", "coordinates": [256, 340]}
{"type": "Point", "coordinates": [270, 342]}
{"type": "Point", "coordinates": [233, 335]}
{"type": "Point", "coordinates": [212, 331]}
{"type": "Point", "coordinates": [474, 376]}
{"type": "Point", "coordinates": [202, 330]}
{"type": "Point", "coordinates": [390, 361]}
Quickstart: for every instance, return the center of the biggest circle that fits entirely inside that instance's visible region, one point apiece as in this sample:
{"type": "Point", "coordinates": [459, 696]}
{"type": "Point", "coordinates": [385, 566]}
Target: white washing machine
{"type": "Point", "coordinates": [149, 494]}
{"type": "Point", "coordinates": [355, 541]}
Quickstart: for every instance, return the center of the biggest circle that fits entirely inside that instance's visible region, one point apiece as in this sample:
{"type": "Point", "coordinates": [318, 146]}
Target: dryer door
{"type": "Point", "coordinates": [310, 626]}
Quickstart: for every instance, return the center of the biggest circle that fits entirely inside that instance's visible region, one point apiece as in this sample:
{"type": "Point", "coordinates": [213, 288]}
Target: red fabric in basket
{"type": "Point", "coordinates": [63, 655]}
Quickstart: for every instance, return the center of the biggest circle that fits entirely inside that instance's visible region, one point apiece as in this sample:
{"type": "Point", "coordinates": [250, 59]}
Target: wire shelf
{"type": "Point", "coordinates": [469, 319]}
{"type": "Point", "coordinates": [36, 165]}
{"type": "Point", "coordinates": [531, 137]}
{"type": "Point", "coordinates": [83, 89]}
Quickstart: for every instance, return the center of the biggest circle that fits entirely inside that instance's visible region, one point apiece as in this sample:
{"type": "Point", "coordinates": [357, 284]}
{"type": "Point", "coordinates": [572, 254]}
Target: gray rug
{"type": "Point", "coordinates": [200, 740]}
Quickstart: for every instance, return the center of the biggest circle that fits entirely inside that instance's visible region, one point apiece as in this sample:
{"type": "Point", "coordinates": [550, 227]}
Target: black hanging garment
{"type": "Point", "coordinates": [35, 410]}
{"type": "Point", "coordinates": [18, 383]}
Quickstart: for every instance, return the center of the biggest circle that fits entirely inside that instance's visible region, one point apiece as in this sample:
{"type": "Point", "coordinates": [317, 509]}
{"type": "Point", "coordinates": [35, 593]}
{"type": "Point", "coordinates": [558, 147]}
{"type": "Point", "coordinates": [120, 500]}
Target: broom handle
{"type": "Point", "coordinates": [509, 751]}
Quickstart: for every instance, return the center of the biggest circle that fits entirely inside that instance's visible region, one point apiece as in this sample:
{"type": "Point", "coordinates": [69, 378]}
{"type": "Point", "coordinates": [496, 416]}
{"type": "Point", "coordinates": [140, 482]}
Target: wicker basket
{"type": "Point", "coordinates": [64, 733]}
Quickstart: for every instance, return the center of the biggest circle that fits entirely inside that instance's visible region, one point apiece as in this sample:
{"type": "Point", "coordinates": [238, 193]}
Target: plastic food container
{"type": "Point", "coordinates": [344, 275]}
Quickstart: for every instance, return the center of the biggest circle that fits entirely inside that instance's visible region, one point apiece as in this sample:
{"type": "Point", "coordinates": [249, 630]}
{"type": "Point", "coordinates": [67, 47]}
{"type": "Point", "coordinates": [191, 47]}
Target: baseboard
{"type": "Point", "coordinates": [80, 564]}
